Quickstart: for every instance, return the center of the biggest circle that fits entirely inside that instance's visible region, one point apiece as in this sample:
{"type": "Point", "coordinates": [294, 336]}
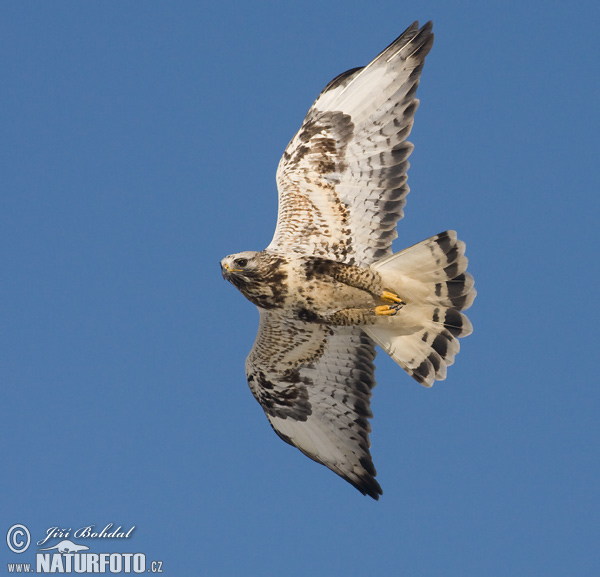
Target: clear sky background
{"type": "Point", "coordinates": [139, 142]}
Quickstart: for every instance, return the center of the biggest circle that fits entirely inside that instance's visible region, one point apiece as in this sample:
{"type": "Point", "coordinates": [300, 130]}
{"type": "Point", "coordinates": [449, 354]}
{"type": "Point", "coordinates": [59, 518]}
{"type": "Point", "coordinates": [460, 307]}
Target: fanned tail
{"type": "Point", "coordinates": [431, 278]}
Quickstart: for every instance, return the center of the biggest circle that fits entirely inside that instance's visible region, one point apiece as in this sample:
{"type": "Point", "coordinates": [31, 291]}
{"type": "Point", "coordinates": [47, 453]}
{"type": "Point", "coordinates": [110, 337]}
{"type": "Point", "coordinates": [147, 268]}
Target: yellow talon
{"type": "Point", "coordinates": [389, 296]}
{"type": "Point", "coordinates": [387, 310]}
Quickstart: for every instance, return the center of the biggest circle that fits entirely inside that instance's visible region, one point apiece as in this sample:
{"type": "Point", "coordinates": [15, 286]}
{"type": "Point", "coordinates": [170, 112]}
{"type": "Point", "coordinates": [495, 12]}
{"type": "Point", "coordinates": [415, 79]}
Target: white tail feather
{"type": "Point", "coordinates": [431, 278]}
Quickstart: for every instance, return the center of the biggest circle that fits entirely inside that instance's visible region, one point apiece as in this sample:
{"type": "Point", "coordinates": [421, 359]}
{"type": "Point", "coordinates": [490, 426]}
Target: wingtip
{"type": "Point", "coordinates": [370, 488]}
{"type": "Point", "coordinates": [414, 30]}
{"type": "Point", "coordinates": [419, 38]}
{"type": "Point", "coordinates": [366, 483]}
{"type": "Point", "coordinates": [423, 40]}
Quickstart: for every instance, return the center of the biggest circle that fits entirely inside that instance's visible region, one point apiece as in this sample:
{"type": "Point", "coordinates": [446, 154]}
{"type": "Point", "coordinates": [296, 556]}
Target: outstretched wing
{"type": "Point", "coordinates": [314, 383]}
{"type": "Point", "coordinates": [342, 178]}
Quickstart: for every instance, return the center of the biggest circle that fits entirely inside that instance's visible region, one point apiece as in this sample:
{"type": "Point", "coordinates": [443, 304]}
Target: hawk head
{"type": "Point", "coordinates": [259, 276]}
{"type": "Point", "coordinates": [241, 264]}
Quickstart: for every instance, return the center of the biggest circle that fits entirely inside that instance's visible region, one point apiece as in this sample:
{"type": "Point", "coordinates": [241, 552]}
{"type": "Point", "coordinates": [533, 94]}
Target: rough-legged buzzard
{"type": "Point", "coordinates": [328, 286]}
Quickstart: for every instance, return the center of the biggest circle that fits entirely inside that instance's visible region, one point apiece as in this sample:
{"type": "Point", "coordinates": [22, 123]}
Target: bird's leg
{"type": "Point", "coordinates": [361, 278]}
{"type": "Point", "coordinates": [348, 274]}
{"type": "Point", "coordinates": [344, 317]}
{"type": "Point", "coordinates": [348, 317]}
{"type": "Point", "coordinates": [352, 316]}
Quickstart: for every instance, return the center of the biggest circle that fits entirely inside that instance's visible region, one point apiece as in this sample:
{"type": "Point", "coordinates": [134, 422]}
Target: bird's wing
{"type": "Point", "coordinates": [342, 178]}
{"type": "Point", "coordinates": [314, 383]}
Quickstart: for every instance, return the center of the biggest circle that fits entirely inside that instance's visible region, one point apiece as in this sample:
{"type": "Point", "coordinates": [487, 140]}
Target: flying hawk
{"type": "Point", "coordinates": [328, 286]}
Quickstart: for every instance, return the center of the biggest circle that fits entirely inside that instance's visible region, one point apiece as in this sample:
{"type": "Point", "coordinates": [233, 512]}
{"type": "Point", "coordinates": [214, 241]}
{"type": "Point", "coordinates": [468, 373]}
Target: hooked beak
{"type": "Point", "coordinates": [226, 270]}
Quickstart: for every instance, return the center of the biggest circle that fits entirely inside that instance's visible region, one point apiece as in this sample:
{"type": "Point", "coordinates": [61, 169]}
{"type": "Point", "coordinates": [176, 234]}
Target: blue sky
{"type": "Point", "coordinates": [139, 146]}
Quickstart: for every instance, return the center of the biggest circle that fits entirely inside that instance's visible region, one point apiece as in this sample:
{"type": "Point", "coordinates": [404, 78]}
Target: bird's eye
{"type": "Point", "coordinates": [241, 262]}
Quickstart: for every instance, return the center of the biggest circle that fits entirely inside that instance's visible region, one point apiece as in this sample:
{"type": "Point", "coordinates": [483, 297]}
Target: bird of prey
{"type": "Point", "coordinates": [328, 287]}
